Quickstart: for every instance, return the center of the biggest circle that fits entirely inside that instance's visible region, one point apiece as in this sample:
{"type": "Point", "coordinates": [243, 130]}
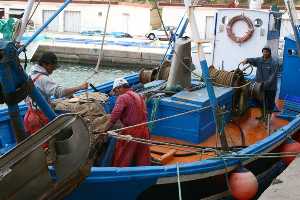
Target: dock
{"type": "Point", "coordinates": [286, 185]}
{"type": "Point", "coordinates": [129, 52]}
{"type": "Point", "coordinates": [116, 51]}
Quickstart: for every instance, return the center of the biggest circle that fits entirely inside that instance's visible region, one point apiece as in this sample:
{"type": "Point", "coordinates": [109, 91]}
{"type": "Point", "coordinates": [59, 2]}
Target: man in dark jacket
{"type": "Point", "coordinates": [266, 73]}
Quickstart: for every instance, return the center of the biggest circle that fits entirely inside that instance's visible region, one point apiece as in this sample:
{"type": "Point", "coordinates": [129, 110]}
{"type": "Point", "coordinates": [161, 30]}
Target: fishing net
{"type": "Point", "coordinates": [89, 106]}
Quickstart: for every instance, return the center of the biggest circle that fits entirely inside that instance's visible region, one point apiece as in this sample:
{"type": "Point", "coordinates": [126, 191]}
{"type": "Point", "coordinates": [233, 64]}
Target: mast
{"type": "Point", "coordinates": [44, 25]}
{"type": "Point", "coordinates": [205, 71]}
{"type": "Point", "coordinates": [294, 22]}
{"type": "Point", "coordinates": [25, 19]}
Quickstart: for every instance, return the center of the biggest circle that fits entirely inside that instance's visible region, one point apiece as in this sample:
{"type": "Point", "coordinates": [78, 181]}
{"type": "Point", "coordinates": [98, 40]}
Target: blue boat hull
{"type": "Point", "coordinates": [201, 179]}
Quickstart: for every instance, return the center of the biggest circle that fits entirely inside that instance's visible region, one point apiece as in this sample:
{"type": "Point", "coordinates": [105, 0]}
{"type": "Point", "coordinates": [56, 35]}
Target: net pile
{"type": "Point", "coordinates": [89, 106]}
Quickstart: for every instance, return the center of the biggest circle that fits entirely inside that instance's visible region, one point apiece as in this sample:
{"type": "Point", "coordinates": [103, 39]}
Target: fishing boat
{"type": "Point", "coordinates": [206, 141]}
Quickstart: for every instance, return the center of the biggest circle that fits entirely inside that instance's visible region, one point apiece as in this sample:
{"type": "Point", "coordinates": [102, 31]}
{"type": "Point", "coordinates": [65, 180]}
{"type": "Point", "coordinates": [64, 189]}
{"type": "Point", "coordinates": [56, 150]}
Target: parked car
{"type": "Point", "coordinates": [119, 34]}
{"type": "Point", "coordinates": [160, 33]}
{"type": "Point", "coordinates": [92, 33]}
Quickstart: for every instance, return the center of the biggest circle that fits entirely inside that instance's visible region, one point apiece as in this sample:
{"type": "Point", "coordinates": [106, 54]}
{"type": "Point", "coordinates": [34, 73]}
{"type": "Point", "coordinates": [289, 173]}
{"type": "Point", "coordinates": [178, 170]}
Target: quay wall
{"type": "Point", "coordinates": [112, 54]}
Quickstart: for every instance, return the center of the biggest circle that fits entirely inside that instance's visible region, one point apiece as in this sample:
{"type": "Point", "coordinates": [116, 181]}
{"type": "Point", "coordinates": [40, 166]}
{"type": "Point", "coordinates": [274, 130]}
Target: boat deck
{"type": "Point", "coordinates": [248, 125]}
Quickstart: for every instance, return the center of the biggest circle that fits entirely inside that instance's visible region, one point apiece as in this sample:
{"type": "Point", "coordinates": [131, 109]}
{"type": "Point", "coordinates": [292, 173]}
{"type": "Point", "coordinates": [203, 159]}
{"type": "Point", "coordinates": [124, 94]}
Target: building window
{"type": "Point", "coordinates": [15, 13]}
{"type": "Point", "coordinates": [2, 12]}
{"type": "Point", "coordinates": [99, 14]}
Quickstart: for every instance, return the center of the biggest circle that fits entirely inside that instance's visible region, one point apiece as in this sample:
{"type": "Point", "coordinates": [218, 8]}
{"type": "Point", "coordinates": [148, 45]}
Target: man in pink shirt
{"type": "Point", "coordinates": [130, 109]}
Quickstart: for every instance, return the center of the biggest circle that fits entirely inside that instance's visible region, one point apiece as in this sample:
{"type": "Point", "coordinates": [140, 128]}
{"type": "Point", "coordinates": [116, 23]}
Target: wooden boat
{"type": "Point", "coordinates": [192, 157]}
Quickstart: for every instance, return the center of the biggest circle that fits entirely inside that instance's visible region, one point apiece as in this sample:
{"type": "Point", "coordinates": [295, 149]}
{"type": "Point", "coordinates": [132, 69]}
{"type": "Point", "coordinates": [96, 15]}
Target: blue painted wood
{"type": "Point", "coordinates": [291, 70]}
{"type": "Point", "coordinates": [194, 127]}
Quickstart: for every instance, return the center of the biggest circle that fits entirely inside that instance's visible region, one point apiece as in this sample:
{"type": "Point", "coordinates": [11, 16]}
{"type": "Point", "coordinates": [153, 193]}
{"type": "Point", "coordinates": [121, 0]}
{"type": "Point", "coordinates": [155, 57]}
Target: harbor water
{"type": "Point", "coordinates": [69, 75]}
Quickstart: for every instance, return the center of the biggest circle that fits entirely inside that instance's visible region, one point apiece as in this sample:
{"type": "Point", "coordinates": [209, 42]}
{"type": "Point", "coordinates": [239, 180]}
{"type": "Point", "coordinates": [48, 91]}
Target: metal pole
{"type": "Point", "coordinates": [205, 72]}
{"type": "Point", "coordinates": [178, 33]}
{"type": "Point", "coordinates": [293, 18]}
{"type": "Point", "coordinates": [25, 19]}
{"type": "Point", "coordinates": [44, 26]}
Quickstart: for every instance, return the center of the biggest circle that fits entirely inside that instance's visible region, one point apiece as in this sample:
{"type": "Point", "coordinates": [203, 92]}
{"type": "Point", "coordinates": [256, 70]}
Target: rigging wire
{"type": "Point", "coordinates": [201, 150]}
{"type": "Point", "coordinates": [100, 56]}
{"type": "Point", "coordinates": [37, 5]}
{"type": "Point", "coordinates": [161, 119]}
{"type": "Point", "coordinates": [161, 20]}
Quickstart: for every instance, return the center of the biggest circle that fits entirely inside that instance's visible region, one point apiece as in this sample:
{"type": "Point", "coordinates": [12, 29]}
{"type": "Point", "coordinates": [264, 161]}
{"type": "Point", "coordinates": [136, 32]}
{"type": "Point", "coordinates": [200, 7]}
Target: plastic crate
{"type": "Point", "coordinates": [194, 127]}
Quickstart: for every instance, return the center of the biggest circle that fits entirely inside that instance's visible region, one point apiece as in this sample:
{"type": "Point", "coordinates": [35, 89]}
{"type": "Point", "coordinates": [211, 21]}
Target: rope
{"type": "Point", "coordinates": [170, 43]}
{"type": "Point", "coordinates": [227, 176]}
{"type": "Point", "coordinates": [178, 182]}
{"type": "Point", "coordinates": [37, 5]}
{"type": "Point", "coordinates": [194, 149]}
{"type": "Point", "coordinates": [224, 76]}
{"type": "Point", "coordinates": [154, 112]}
{"type": "Point", "coordinates": [161, 20]}
{"type": "Point", "coordinates": [102, 44]}
{"type": "Point", "coordinates": [200, 150]}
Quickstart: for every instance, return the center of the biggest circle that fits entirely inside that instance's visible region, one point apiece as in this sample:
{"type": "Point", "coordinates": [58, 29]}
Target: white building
{"type": "Point", "coordinates": [126, 17]}
{"type": "Point", "coordinates": [130, 18]}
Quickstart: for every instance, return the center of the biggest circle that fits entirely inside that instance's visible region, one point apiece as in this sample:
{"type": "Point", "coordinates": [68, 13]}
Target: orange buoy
{"type": "Point", "coordinates": [243, 184]}
{"type": "Point", "coordinates": [289, 145]}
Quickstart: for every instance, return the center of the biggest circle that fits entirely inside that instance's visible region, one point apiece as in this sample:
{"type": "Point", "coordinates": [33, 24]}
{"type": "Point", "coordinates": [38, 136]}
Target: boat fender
{"type": "Point", "coordinates": [246, 36]}
{"type": "Point", "coordinates": [289, 145]}
{"type": "Point", "coordinates": [243, 184]}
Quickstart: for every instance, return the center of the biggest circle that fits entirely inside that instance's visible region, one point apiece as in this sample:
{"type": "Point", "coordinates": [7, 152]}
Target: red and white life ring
{"type": "Point", "coordinates": [247, 34]}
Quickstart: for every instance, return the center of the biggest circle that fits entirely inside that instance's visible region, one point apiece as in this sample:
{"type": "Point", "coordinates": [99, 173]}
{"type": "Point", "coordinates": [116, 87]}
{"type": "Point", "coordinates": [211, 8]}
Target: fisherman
{"type": "Point", "coordinates": [266, 73]}
{"type": "Point", "coordinates": [40, 74]}
{"type": "Point", "coordinates": [130, 109]}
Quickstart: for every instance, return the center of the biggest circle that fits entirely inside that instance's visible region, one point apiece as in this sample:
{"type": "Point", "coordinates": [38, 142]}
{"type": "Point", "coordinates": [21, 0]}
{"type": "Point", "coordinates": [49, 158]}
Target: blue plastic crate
{"type": "Point", "coordinates": [193, 127]}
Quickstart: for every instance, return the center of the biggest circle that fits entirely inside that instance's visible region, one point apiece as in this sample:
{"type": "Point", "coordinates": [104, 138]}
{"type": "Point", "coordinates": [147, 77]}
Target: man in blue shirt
{"type": "Point", "coordinates": [266, 73]}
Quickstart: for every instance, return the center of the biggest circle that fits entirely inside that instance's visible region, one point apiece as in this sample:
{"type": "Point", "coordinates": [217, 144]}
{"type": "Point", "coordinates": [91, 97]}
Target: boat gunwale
{"type": "Point", "coordinates": [208, 167]}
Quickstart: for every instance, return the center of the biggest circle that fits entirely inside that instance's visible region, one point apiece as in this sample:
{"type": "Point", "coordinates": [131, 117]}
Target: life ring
{"type": "Point", "coordinates": [246, 36]}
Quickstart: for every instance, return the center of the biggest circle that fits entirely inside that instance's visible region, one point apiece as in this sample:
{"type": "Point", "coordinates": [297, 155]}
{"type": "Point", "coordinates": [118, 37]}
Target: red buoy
{"type": "Point", "coordinates": [243, 184]}
{"type": "Point", "coordinates": [289, 145]}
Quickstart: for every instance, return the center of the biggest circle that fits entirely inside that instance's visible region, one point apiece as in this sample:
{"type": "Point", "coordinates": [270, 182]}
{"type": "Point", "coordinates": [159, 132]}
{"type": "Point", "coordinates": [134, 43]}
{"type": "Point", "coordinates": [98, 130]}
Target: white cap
{"type": "Point", "coordinates": [119, 82]}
